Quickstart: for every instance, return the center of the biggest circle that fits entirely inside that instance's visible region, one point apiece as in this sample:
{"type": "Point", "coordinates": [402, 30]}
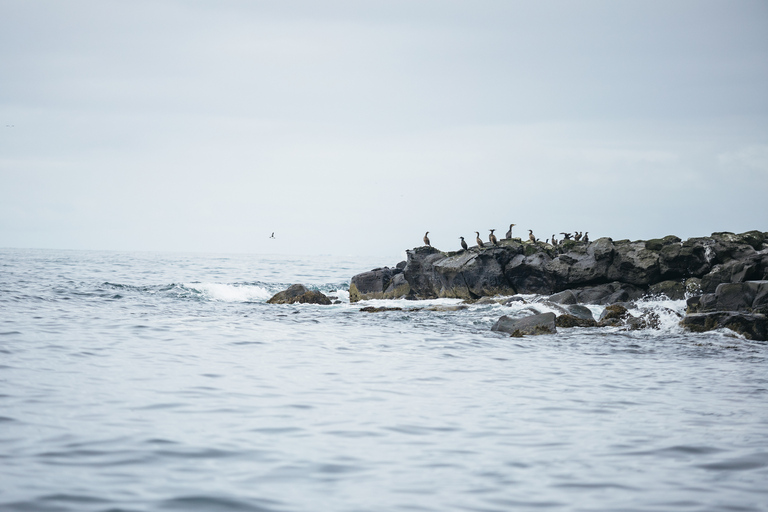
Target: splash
{"type": "Point", "coordinates": [230, 292]}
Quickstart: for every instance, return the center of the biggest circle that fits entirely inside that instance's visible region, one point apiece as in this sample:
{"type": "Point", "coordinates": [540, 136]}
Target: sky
{"type": "Point", "coordinates": [352, 128]}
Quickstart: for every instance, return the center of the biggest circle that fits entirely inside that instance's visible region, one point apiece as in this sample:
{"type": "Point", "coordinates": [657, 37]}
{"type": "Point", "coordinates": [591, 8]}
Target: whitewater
{"type": "Point", "coordinates": [158, 381]}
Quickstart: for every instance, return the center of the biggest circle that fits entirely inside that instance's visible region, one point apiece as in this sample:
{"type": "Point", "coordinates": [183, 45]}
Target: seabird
{"type": "Point", "coordinates": [554, 241]}
{"type": "Point", "coordinates": [586, 237]}
{"type": "Point", "coordinates": [463, 243]}
{"type": "Point", "coordinates": [479, 240]}
{"type": "Point", "coordinates": [530, 236]}
{"type": "Point", "coordinates": [566, 236]}
{"type": "Point", "coordinates": [492, 238]}
{"type": "Point", "coordinates": [509, 233]}
{"type": "Point", "coordinates": [577, 236]}
{"type": "Point", "coordinates": [426, 240]}
{"type": "Point", "coordinates": [273, 235]}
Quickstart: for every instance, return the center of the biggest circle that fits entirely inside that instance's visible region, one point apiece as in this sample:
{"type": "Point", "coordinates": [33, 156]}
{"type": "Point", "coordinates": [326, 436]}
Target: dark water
{"type": "Point", "coordinates": [165, 382]}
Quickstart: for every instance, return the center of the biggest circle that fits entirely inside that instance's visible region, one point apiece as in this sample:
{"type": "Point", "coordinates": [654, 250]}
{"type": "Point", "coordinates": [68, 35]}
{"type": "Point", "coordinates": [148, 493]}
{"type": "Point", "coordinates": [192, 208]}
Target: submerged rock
{"type": "Point", "coordinates": [298, 293]}
{"type": "Point", "coordinates": [543, 323]}
{"type": "Point", "coordinates": [372, 309]}
{"type": "Point", "coordinates": [754, 326]}
{"type": "Point", "coordinates": [574, 321]}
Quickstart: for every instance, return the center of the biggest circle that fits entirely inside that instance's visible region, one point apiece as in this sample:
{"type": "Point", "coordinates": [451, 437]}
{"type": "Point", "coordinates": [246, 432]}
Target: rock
{"type": "Point", "coordinates": [613, 315]}
{"type": "Point", "coordinates": [371, 309]}
{"type": "Point", "coordinates": [298, 293]}
{"type": "Point", "coordinates": [564, 297]}
{"type": "Point", "coordinates": [608, 293]}
{"type": "Point", "coordinates": [674, 290]}
{"type": "Point", "coordinates": [753, 326]}
{"type": "Point", "coordinates": [579, 311]}
{"type": "Point", "coordinates": [380, 283]}
{"type": "Point", "coordinates": [750, 296]}
{"type": "Point", "coordinates": [515, 299]}
{"type": "Point", "coordinates": [573, 321]}
{"type": "Point", "coordinates": [543, 323]}
{"type": "Point", "coordinates": [601, 272]}
{"type": "Point", "coordinates": [453, 307]}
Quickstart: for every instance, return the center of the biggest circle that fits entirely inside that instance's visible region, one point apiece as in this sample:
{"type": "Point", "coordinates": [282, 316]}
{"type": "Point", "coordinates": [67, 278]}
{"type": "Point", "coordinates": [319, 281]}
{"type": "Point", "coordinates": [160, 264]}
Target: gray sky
{"type": "Point", "coordinates": [350, 127]}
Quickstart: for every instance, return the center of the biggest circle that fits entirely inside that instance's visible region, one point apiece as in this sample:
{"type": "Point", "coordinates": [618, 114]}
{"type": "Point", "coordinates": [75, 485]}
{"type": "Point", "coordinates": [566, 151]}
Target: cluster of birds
{"type": "Point", "coordinates": [576, 235]}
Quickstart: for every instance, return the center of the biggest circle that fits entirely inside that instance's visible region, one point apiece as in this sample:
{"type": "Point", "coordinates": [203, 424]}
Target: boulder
{"type": "Point", "coordinates": [543, 323]}
{"type": "Point", "coordinates": [574, 321]}
{"type": "Point", "coordinates": [753, 326]}
{"type": "Point", "coordinates": [613, 315]}
{"type": "Point", "coordinates": [380, 283]}
{"type": "Point", "coordinates": [298, 293]}
{"type": "Point", "coordinates": [579, 311]}
{"type": "Point", "coordinates": [674, 290]}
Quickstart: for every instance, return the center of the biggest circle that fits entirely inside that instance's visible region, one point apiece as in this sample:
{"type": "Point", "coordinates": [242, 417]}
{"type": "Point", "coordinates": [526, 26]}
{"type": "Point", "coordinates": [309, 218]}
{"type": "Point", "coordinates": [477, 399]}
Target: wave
{"type": "Point", "coordinates": [223, 292]}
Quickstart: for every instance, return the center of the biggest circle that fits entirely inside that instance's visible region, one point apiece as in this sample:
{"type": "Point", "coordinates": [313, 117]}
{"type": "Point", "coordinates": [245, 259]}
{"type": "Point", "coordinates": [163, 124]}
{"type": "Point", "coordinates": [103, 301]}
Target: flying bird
{"type": "Point", "coordinates": [273, 235]}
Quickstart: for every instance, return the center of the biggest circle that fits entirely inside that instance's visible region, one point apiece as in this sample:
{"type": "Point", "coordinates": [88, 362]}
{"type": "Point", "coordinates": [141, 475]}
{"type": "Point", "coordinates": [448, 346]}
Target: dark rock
{"type": "Point", "coordinates": [298, 293]}
{"type": "Point", "coordinates": [543, 323]}
{"type": "Point", "coordinates": [674, 290]}
{"type": "Point", "coordinates": [573, 270]}
{"type": "Point", "coordinates": [371, 309]}
{"type": "Point", "coordinates": [753, 326]}
{"type": "Point", "coordinates": [613, 315]}
{"type": "Point", "coordinates": [380, 283]}
{"type": "Point", "coordinates": [579, 311]}
{"type": "Point", "coordinates": [400, 265]}
{"type": "Point", "coordinates": [608, 293]}
{"type": "Point", "coordinates": [451, 307]}
{"type": "Point", "coordinates": [514, 299]}
{"type": "Point", "coordinates": [564, 297]}
{"type": "Point", "coordinates": [574, 321]}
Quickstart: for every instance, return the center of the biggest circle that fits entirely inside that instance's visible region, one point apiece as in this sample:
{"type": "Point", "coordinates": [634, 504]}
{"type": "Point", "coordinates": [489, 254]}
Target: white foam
{"type": "Point", "coordinates": [230, 292]}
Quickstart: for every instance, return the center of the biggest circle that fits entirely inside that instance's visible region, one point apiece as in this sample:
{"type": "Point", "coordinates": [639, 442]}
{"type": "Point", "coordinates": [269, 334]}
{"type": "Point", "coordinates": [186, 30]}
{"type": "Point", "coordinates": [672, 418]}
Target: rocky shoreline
{"type": "Point", "coordinates": [602, 271]}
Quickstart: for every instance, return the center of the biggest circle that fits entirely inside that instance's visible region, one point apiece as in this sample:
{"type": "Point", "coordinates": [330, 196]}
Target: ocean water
{"type": "Point", "coordinates": [142, 382]}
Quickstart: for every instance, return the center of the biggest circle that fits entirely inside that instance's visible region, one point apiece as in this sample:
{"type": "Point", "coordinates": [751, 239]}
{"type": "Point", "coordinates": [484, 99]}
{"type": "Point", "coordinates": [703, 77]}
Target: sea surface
{"type": "Point", "coordinates": [156, 381]}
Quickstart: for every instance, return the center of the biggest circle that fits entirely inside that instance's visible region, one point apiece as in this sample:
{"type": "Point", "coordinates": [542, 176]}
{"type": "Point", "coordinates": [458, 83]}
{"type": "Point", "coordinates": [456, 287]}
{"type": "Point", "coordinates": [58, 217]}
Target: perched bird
{"type": "Point", "coordinates": [492, 238]}
{"type": "Point", "coordinates": [554, 241]}
{"type": "Point", "coordinates": [566, 236]}
{"type": "Point", "coordinates": [577, 236]}
{"type": "Point", "coordinates": [479, 240]}
{"type": "Point", "coordinates": [509, 233]}
{"type": "Point", "coordinates": [463, 243]}
{"type": "Point", "coordinates": [531, 237]}
{"type": "Point", "coordinates": [426, 240]}
{"type": "Point", "coordinates": [586, 237]}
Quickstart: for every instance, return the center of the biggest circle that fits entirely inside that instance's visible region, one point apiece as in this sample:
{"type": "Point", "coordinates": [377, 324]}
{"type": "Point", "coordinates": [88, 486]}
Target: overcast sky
{"type": "Point", "coordinates": [352, 127]}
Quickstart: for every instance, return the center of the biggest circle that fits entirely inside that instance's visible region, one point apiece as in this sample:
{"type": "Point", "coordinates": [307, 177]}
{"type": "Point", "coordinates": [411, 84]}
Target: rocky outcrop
{"type": "Point", "coordinates": [603, 271]}
{"type": "Point", "coordinates": [298, 293]}
{"type": "Point", "coordinates": [741, 307]}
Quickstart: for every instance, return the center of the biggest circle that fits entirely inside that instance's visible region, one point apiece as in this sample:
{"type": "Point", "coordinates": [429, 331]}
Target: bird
{"type": "Point", "coordinates": [509, 233]}
{"type": "Point", "coordinates": [273, 235]}
{"type": "Point", "coordinates": [426, 240]}
{"type": "Point", "coordinates": [492, 238]}
{"type": "Point", "coordinates": [566, 236]}
{"type": "Point", "coordinates": [479, 240]}
{"type": "Point", "coordinates": [586, 237]}
{"type": "Point", "coordinates": [554, 241]}
{"type": "Point", "coordinates": [577, 236]}
{"type": "Point", "coordinates": [531, 237]}
{"type": "Point", "coordinates": [463, 243]}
